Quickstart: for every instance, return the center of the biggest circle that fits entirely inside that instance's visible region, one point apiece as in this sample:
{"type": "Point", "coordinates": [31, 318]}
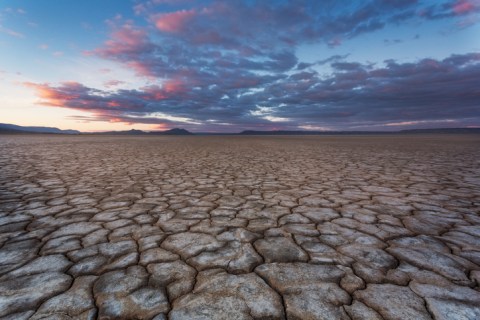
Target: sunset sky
{"type": "Point", "coordinates": [226, 66]}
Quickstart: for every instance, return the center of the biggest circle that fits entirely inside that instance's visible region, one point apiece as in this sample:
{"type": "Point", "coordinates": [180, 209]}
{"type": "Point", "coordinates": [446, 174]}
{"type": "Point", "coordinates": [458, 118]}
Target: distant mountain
{"type": "Point", "coordinates": [443, 130]}
{"type": "Point", "coordinates": [6, 128]}
{"type": "Point", "coordinates": [174, 132]}
{"type": "Point", "coordinates": [12, 128]}
{"type": "Point", "coordinates": [410, 131]}
{"type": "Point", "coordinates": [171, 132]}
{"type": "Point", "coordinates": [12, 131]}
{"type": "Point", "coordinates": [128, 132]}
{"type": "Point", "coordinates": [293, 133]}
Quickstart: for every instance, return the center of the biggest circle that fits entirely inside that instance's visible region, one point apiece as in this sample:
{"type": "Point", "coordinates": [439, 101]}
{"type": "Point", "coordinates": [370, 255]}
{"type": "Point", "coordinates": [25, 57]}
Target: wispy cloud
{"type": "Point", "coordinates": [11, 32]}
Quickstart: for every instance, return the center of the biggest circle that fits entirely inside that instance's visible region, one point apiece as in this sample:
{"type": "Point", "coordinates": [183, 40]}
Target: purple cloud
{"type": "Point", "coordinates": [213, 63]}
{"type": "Point", "coordinates": [353, 96]}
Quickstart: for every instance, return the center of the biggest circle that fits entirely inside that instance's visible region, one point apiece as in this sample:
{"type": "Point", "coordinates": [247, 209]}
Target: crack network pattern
{"type": "Point", "coordinates": [374, 227]}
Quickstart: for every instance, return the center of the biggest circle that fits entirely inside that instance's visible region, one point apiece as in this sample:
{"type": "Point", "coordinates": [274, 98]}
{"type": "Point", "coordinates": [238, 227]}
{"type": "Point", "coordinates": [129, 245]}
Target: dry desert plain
{"type": "Point", "coordinates": [295, 227]}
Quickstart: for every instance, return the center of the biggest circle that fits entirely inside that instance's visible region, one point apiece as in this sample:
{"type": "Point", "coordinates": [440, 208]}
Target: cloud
{"type": "Point", "coordinates": [212, 63]}
{"type": "Point", "coordinates": [11, 32]}
{"type": "Point", "coordinates": [205, 40]}
{"type": "Point", "coordinates": [354, 95]}
{"type": "Point", "coordinates": [449, 9]}
{"type": "Point", "coordinates": [174, 21]}
{"type": "Point", "coordinates": [416, 122]}
{"type": "Point", "coordinates": [461, 7]}
{"type": "Point", "coordinates": [113, 83]}
{"type": "Point", "coordinates": [126, 41]}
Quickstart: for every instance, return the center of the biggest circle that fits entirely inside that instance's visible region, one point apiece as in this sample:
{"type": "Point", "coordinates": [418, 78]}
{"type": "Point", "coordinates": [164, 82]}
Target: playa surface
{"type": "Point", "coordinates": [318, 227]}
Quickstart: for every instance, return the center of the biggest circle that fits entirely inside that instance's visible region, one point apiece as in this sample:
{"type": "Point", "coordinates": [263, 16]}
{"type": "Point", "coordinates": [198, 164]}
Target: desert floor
{"type": "Point", "coordinates": [318, 227]}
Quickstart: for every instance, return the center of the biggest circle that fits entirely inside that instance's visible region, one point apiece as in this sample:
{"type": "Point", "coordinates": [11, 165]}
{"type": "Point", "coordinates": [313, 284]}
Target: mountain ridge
{"type": "Point", "coordinates": [174, 131]}
{"type": "Point", "coordinates": [405, 131]}
{"type": "Point", "coordinates": [34, 129]}
{"type": "Point", "coordinates": [6, 128]}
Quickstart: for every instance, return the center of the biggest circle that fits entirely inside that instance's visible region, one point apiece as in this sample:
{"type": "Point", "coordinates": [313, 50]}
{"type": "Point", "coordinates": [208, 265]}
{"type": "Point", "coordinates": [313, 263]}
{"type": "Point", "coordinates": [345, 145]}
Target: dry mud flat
{"type": "Point", "coordinates": [380, 227]}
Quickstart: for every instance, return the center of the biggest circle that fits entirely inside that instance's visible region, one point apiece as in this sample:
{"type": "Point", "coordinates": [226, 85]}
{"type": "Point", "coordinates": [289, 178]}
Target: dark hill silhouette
{"type": "Point", "coordinates": [12, 128]}
{"type": "Point", "coordinates": [175, 131]}
{"type": "Point", "coordinates": [171, 132]}
{"type": "Point", "coordinates": [409, 131]}
{"type": "Point", "coordinates": [6, 128]}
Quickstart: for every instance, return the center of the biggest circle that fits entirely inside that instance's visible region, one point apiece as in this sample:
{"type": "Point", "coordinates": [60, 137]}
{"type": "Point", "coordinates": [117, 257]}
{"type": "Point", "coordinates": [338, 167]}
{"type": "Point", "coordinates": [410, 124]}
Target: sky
{"type": "Point", "coordinates": [228, 66]}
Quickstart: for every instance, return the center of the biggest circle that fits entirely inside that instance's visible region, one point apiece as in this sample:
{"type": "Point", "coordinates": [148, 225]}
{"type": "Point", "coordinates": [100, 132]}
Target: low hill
{"type": "Point", "coordinates": [174, 132]}
{"type": "Point", "coordinates": [12, 128]}
{"type": "Point", "coordinates": [443, 130]}
{"type": "Point", "coordinates": [293, 133]}
{"type": "Point", "coordinates": [409, 131]}
{"type": "Point", "coordinates": [171, 132]}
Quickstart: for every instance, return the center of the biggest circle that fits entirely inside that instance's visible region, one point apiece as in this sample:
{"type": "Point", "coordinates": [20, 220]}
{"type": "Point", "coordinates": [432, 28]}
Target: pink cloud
{"type": "Point", "coordinates": [108, 106]}
{"type": "Point", "coordinates": [11, 32]}
{"type": "Point", "coordinates": [125, 39]}
{"type": "Point", "coordinates": [74, 95]}
{"type": "Point", "coordinates": [173, 86]}
{"type": "Point", "coordinates": [465, 6]}
{"type": "Point", "coordinates": [53, 97]}
{"type": "Point", "coordinates": [141, 69]}
{"type": "Point", "coordinates": [113, 83]}
{"type": "Point", "coordinates": [175, 21]}
{"type": "Point", "coordinates": [169, 88]}
{"type": "Point", "coordinates": [128, 36]}
{"type": "Point", "coordinates": [153, 93]}
{"type": "Point", "coordinates": [113, 104]}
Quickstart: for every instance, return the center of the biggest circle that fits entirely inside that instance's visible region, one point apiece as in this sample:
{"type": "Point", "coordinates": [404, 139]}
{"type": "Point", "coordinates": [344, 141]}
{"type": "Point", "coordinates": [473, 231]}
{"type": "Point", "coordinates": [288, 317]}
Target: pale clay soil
{"type": "Point", "coordinates": [373, 227]}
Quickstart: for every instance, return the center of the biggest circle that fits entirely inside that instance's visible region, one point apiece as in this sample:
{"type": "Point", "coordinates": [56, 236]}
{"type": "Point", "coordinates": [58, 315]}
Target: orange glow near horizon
{"type": "Point", "coordinates": [21, 106]}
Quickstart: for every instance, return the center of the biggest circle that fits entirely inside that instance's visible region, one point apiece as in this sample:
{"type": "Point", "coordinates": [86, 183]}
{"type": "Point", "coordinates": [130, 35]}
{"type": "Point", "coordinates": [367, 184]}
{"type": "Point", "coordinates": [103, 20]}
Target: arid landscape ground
{"type": "Point", "coordinates": [319, 227]}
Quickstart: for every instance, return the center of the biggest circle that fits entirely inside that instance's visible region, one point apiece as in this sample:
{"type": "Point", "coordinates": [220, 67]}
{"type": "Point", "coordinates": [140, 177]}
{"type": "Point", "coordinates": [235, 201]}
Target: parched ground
{"type": "Point", "coordinates": [373, 227]}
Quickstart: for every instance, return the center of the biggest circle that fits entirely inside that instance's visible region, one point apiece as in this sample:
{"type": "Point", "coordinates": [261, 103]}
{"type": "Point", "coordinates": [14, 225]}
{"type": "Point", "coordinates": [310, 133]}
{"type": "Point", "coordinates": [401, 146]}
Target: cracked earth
{"type": "Point", "coordinates": [239, 227]}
